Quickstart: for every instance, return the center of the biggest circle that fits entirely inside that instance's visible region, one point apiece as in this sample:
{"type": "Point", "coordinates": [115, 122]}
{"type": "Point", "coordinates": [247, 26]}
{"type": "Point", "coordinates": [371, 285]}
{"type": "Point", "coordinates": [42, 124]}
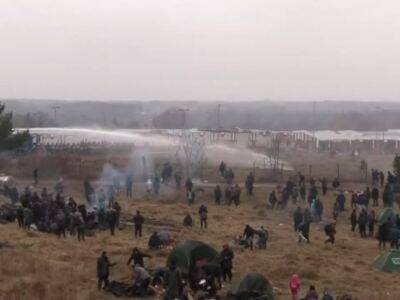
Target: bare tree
{"type": "Point", "coordinates": [192, 149]}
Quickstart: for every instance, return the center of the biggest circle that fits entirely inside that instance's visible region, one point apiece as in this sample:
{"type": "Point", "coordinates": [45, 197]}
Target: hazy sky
{"type": "Point", "coordinates": [200, 49]}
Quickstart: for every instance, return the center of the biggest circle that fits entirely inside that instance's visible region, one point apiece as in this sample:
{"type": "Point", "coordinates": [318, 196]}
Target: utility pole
{"type": "Point", "coordinates": [55, 108]}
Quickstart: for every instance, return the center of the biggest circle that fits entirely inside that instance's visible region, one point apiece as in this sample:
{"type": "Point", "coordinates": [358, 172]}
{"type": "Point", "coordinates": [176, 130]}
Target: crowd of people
{"type": "Point", "coordinates": [52, 211]}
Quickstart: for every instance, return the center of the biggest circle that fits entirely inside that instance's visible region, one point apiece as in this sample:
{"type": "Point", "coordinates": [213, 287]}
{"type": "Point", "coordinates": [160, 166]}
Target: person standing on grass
{"type": "Point", "coordinates": [272, 199]}
{"type": "Point", "coordinates": [112, 220]}
{"type": "Point", "coordinates": [189, 185]}
{"type": "Point", "coordinates": [103, 270]}
{"type": "Point", "coordinates": [250, 184]}
{"type": "Point", "coordinates": [324, 184]}
{"type": "Point", "coordinates": [178, 180]}
{"type": "Point", "coordinates": [375, 196]}
{"type": "Point", "coordinates": [227, 262]}
{"type": "Point", "coordinates": [353, 220]}
{"type": "Point", "coordinates": [217, 195]}
{"type": "Point", "coordinates": [362, 223]}
{"type": "Point", "coordinates": [129, 185]}
{"type": "Point", "coordinates": [383, 233]}
{"type": "Point", "coordinates": [297, 218]}
{"type": "Point", "coordinates": [138, 220]}
{"type": "Point", "coordinates": [203, 212]}
{"type": "Point", "coordinates": [371, 223]}
{"type": "Point", "coordinates": [295, 287]}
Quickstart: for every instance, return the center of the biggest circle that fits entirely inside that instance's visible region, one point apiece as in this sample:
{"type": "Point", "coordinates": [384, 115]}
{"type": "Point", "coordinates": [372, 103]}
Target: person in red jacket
{"type": "Point", "coordinates": [295, 287]}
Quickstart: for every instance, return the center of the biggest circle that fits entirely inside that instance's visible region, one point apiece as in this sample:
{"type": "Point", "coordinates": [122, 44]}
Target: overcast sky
{"type": "Point", "coordinates": [200, 49]}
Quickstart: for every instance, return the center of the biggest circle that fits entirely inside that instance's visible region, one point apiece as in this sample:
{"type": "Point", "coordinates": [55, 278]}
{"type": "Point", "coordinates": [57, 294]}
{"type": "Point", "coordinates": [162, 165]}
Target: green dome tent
{"type": "Point", "coordinates": [253, 286]}
{"type": "Point", "coordinates": [386, 214]}
{"type": "Point", "coordinates": [388, 261]}
{"type": "Point", "coordinates": [188, 253]}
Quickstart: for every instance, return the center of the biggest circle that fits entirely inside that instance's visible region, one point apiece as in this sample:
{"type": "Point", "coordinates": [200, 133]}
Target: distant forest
{"type": "Point", "coordinates": [265, 115]}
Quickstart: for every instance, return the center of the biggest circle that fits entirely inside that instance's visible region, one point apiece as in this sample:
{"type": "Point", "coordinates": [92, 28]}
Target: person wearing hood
{"type": "Point", "coordinates": [295, 287]}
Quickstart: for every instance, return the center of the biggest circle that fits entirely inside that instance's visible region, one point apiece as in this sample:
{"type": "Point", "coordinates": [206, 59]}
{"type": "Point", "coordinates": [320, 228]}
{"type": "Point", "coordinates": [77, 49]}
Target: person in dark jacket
{"type": "Point", "coordinates": [383, 234]}
{"type": "Point", "coordinates": [248, 234]}
{"type": "Point", "coordinates": [353, 220]}
{"type": "Point", "coordinates": [312, 294]}
{"type": "Point", "coordinates": [188, 221]}
{"type": "Point", "coordinates": [222, 168]}
{"type": "Point", "coordinates": [173, 282]}
{"type": "Point", "coordinates": [362, 223]}
{"type": "Point", "coordinates": [217, 194]}
{"type": "Point", "coordinates": [375, 196]}
{"type": "Point", "coordinates": [228, 195]}
{"type": "Point", "coordinates": [103, 270]}
{"type": "Point", "coordinates": [226, 256]}
{"type": "Point", "coordinates": [189, 185]}
{"type": "Point", "coordinates": [381, 178]}
{"type": "Point", "coordinates": [112, 220]}
{"type": "Point", "coordinates": [302, 191]}
{"type": "Point", "coordinates": [371, 223]}
{"type": "Point", "coordinates": [272, 199]}
{"type": "Point", "coordinates": [324, 184]}
{"type": "Point", "coordinates": [341, 200]}
{"type": "Point", "coordinates": [137, 257]}
{"type": "Point", "coordinates": [20, 217]}
{"type": "Point", "coordinates": [330, 231]}
{"type": "Point", "coordinates": [128, 186]}
{"type": "Point", "coordinates": [203, 213]}
{"type": "Point", "coordinates": [236, 194]}
{"type": "Point", "coordinates": [155, 242]}
{"type": "Point", "coordinates": [138, 220]}
{"type": "Point", "coordinates": [297, 218]}
{"type": "Point", "coordinates": [250, 184]}
{"type": "Point", "coordinates": [178, 180]}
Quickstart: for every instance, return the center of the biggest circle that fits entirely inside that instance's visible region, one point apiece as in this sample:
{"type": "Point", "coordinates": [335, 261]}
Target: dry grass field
{"type": "Point", "coordinates": [41, 266]}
